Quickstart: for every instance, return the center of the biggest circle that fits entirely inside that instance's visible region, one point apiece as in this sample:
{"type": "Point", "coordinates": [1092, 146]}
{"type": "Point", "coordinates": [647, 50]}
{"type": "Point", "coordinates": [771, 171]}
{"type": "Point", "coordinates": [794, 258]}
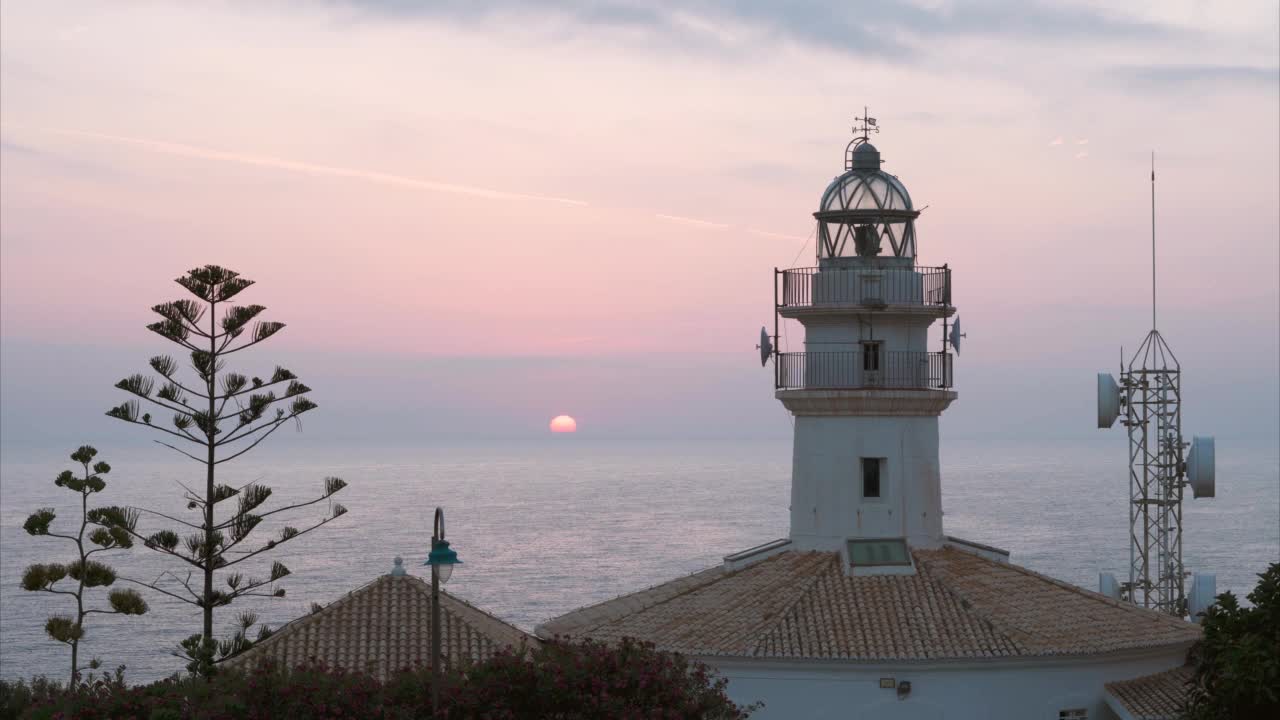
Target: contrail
{"type": "Point", "coordinates": [203, 153]}
{"type": "Point", "coordinates": [779, 236]}
{"type": "Point", "coordinates": [692, 221]}
{"type": "Point", "coordinates": [193, 151]}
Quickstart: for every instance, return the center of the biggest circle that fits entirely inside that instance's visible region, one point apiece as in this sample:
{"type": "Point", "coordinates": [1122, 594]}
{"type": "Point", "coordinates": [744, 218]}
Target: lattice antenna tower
{"type": "Point", "coordinates": [1149, 396]}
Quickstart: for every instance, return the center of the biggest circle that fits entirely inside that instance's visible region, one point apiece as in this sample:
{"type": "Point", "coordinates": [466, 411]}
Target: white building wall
{"type": "Point", "coordinates": [827, 506]}
{"type": "Point", "coordinates": [995, 690]}
{"type": "Point", "coordinates": [846, 334]}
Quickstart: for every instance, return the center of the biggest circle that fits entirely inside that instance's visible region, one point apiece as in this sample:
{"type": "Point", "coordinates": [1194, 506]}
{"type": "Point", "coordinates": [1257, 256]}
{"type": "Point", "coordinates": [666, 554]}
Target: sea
{"type": "Point", "coordinates": [546, 526]}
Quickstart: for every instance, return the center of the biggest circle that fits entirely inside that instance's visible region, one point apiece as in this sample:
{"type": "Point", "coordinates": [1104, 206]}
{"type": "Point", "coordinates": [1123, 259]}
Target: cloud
{"type": "Point", "coordinates": [1056, 141]}
{"type": "Point", "coordinates": [1178, 77]}
{"type": "Point", "coordinates": [1082, 141]}
{"type": "Point", "coordinates": [203, 153]}
{"type": "Point", "coordinates": [692, 221]}
{"type": "Point", "coordinates": [886, 30]}
{"type": "Point", "coordinates": [777, 236]}
{"type": "Point", "coordinates": [1082, 155]}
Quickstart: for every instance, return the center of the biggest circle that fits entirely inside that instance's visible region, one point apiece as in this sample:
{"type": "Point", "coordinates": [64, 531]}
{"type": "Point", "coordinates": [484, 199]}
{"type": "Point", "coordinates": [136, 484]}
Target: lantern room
{"type": "Point", "coordinates": [866, 212]}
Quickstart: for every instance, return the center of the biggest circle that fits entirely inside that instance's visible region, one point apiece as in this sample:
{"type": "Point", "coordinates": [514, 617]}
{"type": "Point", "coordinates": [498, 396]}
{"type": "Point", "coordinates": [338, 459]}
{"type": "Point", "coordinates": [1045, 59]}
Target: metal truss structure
{"type": "Point", "coordinates": [1152, 392]}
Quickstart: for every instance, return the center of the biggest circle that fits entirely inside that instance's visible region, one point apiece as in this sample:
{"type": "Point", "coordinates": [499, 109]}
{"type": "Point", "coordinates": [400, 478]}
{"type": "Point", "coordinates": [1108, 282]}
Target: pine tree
{"type": "Point", "coordinates": [218, 417]}
{"type": "Point", "coordinates": [85, 573]}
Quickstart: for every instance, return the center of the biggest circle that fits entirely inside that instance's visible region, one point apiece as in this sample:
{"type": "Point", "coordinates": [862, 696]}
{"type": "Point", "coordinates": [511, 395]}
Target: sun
{"type": "Point", "coordinates": [563, 424]}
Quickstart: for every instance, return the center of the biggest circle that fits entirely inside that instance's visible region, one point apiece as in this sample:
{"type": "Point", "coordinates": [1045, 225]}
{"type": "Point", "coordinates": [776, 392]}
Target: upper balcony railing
{"type": "Point", "coordinates": [853, 370]}
{"type": "Point", "coordinates": [837, 287]}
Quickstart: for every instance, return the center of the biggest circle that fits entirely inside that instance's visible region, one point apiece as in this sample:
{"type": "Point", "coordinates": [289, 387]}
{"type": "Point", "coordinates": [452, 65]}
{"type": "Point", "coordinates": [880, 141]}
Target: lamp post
{"type": "Point", "coordinates": [441, 560]}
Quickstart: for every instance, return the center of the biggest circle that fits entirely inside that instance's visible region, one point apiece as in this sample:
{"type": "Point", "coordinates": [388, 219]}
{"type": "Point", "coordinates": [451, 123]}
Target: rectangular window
{"type": "Point", "coordinates": [891, 551]}
{"type": "Point", "coordinates": [1073, 714]}
{"type": "Point", "coordinates": [871, 468]}
{"type": "Point", "coordinates": [871, 356]}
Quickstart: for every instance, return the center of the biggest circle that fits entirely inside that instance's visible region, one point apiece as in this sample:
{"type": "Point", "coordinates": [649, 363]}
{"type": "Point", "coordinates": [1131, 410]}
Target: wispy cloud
{"type": "Point", "coordinates": [1082, 141]}
{"type": "Point", "coordinates": [777, 236]}
{"type": "Point", "coordinates": [1177, 77]}
{"type": "Point", "coordinates": [883, 29]}
{"type": "Point", "coordinates": [1056, 141]}
{"type": "Point", "coordinates": [307, 168]}
{"type": "Point", "coordinates": [1082, 155]}
{"type": "Point", "coordinates": [692, 221]}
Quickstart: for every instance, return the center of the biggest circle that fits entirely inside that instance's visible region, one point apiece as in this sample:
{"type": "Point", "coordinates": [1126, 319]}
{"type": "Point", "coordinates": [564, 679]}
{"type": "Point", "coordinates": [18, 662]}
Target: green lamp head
{"type": "Point", "coordinates": [442, 559]}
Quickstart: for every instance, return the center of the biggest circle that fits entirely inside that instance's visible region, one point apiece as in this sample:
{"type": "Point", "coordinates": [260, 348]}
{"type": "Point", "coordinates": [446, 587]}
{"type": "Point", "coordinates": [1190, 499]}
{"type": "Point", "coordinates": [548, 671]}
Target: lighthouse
{"type": "Point", "coordinates": [866, 391]}
{"type": "Point", "coordinates": [867, 609]}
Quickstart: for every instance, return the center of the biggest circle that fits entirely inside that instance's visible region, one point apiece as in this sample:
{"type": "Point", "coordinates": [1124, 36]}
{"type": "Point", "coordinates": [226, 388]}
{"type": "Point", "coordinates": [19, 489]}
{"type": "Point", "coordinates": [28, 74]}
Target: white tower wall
{"type": "Point", "coordinates": [827, 503]}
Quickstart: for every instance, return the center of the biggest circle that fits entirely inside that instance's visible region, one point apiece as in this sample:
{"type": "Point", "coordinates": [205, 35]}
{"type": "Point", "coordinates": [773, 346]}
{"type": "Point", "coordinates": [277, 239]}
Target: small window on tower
{"type": "Point", "coordinates": [1074, 714]}
{"type": "Point", "coordinates": [871, 356]}
{"type": "Point", "coordinates": [871, 468]}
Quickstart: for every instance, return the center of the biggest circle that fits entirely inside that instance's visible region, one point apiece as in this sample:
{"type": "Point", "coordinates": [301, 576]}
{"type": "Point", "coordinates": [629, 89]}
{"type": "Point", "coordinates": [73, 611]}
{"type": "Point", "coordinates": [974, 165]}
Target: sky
{"type": "Point", "coordinates": [476, 216]}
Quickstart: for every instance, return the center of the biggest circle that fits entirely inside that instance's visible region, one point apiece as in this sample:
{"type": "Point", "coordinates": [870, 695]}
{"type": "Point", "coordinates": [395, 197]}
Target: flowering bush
{"type": "Point", "coordinates": [569, 681]}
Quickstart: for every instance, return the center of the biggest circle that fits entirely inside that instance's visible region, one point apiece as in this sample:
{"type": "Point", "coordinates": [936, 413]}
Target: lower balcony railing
{"type": "Point", "coordinates": [854, 370]}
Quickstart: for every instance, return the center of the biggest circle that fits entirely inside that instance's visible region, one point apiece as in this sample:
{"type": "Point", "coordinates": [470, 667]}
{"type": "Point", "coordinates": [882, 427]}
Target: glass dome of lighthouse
{"type": "Point", "coordinates": [866, 211]}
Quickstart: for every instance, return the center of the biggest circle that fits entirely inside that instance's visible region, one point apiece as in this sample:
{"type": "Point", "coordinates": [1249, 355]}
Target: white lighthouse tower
{"type": "Point", "coordinates": [867, 609]}
{"type": "Point", "coordinates": [866, 391]}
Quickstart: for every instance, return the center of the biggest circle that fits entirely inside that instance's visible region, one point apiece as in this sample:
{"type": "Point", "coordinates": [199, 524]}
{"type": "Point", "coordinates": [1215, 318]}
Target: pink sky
{"type": "Point", "coordinates": [557, 181]}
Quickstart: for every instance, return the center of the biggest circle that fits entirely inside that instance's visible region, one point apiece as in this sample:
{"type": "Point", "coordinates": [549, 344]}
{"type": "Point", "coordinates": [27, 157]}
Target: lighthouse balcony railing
{"type": "Point", "coordinates": [851, 286]}
{"type": "Point", "coordinates": [854, 370]}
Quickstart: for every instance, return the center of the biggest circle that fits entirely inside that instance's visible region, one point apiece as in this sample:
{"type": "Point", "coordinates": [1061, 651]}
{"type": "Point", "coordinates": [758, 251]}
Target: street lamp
{"type": "Point", "coordinates": [441, 560]}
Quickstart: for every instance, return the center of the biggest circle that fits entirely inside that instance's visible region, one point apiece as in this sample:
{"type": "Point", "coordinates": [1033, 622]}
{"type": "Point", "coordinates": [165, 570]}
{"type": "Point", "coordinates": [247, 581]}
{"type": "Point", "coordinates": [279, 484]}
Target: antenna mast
{"type": "Point", "coordinates": [1148, 399]}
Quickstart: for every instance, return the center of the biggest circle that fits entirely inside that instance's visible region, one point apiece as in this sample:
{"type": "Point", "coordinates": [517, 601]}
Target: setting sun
{"type": "Point", "coordinates": [563, 424]}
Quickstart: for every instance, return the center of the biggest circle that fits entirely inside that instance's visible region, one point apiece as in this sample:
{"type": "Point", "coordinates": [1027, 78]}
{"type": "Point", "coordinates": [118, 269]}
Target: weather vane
{"type": "Point", "coordinates": [868, 126]}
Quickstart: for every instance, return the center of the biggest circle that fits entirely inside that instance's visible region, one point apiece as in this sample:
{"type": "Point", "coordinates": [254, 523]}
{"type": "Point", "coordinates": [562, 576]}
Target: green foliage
{"type": "Point", "coordinates": [564, 681]}
{"type": "Point", "coordinates": [137, 384]}
{"type": "Point", "coordinates": [215, 418]}
{"type": "Point", "coordinates": [17, 697]}
{"type": "Point", "coordinates": [42, 577]}
{"type": "Point", "coordinates": [91, 573]}
{"type": "Point", "coordinates": [1238, 661]}
{"type": "Point", "coordinates": [127, 411]}
{"type": "Point", "coordinates": [112, 527]}
{"type": "Point", "coordinates": [63, 629]}
{"type": "Point", "coordinates": [127, 601]}
{"type": "Point", "coordinates": [38, 522]}
{"type": "Point", "coordinates": [164, 539]}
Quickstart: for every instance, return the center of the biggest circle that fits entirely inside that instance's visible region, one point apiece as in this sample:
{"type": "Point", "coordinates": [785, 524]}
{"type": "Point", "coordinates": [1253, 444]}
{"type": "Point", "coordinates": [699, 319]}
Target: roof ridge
{"type": "Point", "coordinates": [966, 604]}
{"type": "Point", "coordinates": [711, 577]}
{"type": "Point", "coordinates": [300, 622]}
{"type": "Point", "coordinates": [785, 612]}
{"type": "Point", "coordinates": [1126, 606]}
{"type": "Point", "coordinates": [418, 583]}
{"type": "Point", "coordinates": [485, 614]}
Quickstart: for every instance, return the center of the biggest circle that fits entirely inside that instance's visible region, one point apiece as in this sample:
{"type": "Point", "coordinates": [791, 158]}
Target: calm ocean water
{"type": "Point", "coordinates": [546, 527]}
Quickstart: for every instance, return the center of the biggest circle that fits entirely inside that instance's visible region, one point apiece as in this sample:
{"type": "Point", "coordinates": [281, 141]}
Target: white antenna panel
{"type": "Point", "coordinates": [1108, 400]}
{"type": "Point", "coordinates": [1108, 586]}
{"type": "Point", "coordinates": [1200, 467]}
{"type": "Point", "coordinates": [1204, 590]}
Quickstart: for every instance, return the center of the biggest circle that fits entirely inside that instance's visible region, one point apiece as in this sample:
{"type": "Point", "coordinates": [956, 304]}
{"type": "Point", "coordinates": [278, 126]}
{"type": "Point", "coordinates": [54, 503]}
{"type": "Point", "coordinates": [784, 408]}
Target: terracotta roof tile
{"type": "Point", "coordinates": [1154, 697]}
{"type": "Point", "coordinates": [802, 605]}
{"type": "Point", "coordinates": [386, 626]}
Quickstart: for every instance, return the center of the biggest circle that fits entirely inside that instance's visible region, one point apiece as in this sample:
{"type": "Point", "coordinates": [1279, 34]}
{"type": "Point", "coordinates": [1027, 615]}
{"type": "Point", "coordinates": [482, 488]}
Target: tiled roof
{"type": "Point", "coordinates": [1154, 697]}
{"type": "Point", "coordinates": [802, 605]}
{"type": "Point", "coordinates": [385, 626]}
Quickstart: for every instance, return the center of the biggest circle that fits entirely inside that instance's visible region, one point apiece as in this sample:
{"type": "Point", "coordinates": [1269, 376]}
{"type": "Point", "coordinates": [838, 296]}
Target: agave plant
{"type": "Point", "coordinates": [83, 573]}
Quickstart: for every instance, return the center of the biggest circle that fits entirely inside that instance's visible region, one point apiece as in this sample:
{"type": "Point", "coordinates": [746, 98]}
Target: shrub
{"type": "Point", "coordinates": [1238, 661]}
{"type": "Point", "coordinates": [569, 681]}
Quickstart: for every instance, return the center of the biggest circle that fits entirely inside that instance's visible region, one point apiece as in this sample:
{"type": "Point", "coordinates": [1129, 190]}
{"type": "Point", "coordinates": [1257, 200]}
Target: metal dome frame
{"type": "Point", "coordinates": [865, 198]}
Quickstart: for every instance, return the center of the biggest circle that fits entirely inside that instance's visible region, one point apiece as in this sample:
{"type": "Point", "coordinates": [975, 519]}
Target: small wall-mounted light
{"type": "Point", "coordinates": [904, 689]}
{"type": "Point", "coordinates": [888, 683]}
